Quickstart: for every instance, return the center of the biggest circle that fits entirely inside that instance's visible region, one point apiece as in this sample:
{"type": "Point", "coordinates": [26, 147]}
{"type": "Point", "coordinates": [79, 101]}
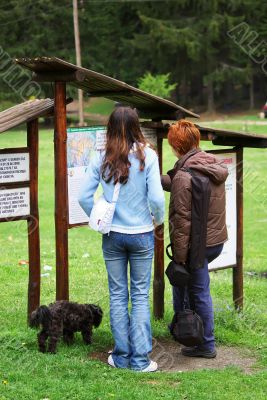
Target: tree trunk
{"type": "Point", "coordinates": [210, 88]}
{"type": "Point", "coordinates": [251, 93]}
{"type": "Point", "coordinates": [78, 57]}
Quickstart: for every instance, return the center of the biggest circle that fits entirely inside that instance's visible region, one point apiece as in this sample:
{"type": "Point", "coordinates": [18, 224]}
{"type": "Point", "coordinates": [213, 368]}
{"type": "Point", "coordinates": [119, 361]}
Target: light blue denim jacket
{"type": "Point", "coordinates": [138, 198]}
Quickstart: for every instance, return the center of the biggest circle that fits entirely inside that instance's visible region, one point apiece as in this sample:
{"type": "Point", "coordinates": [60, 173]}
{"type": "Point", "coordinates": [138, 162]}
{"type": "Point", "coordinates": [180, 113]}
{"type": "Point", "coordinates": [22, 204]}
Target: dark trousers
{"type": "Point", "coordinates": [197, 297]}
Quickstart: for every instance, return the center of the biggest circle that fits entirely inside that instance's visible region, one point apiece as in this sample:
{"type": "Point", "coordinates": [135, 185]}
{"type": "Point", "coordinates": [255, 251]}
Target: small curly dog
{"type": "Point", "coordinates": [63, 318]}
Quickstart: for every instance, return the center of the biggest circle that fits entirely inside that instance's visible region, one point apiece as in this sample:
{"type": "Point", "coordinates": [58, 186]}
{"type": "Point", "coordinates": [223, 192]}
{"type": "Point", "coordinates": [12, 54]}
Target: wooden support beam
{"type": "Point", "coordinates": [238, 270]}
{"type": "Point", "coordinates": [62, 76]}
{"type": "Point", "coordinates": [109, 93]}
{"type": "Point", "coordinates": [61, 192]}
{"type": "Point", "coordinates": [33, 220]}
{"type": "Point", "coordinates": [240, 141]}
{"type": "Point", "coordinates": [158, 283]}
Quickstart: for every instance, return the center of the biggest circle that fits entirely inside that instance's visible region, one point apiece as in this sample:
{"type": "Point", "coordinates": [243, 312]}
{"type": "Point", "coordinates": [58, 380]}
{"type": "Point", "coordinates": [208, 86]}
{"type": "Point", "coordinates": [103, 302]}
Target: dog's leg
{"type": "Point", "coordinates": [87, 334]}
{"type": "Point", "coordinates": [56, 332]}
{"type": "Point", "coordinates": [52, 343]}
{"type": "Point", "coordinates": [68, 336]}
{"type": "Point", "coordinates": [42, 337]}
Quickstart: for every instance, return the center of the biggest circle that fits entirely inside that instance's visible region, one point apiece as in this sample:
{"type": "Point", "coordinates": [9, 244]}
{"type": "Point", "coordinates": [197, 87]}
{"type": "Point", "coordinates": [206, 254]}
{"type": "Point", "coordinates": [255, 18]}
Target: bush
{"type": "Point", "coordinates": [158, 84]}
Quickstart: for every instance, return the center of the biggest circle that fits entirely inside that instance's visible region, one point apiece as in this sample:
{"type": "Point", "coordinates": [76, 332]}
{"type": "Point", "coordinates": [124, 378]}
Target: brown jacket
{"type": "Point", "coordinates": [179, 184]}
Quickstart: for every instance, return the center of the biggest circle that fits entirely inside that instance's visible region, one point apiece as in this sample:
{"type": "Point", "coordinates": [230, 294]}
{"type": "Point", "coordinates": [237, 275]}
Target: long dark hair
{"type": "Point", "coordinates": [123, 131]}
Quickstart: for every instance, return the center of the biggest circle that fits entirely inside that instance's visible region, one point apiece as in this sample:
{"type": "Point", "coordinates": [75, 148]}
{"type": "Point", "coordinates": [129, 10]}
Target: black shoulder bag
{"type": "Point", "coordinates": [176, 273]}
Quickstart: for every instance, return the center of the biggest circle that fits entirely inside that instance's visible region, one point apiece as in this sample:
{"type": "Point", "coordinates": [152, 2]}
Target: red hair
{"type": "Point", "coordinates": [183, 136]}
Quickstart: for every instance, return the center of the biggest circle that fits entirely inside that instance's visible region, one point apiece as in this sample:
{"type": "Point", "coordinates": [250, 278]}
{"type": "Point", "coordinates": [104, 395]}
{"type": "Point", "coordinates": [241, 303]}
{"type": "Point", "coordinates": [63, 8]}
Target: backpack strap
{"type": "Point", "coordinates": [186, 169]}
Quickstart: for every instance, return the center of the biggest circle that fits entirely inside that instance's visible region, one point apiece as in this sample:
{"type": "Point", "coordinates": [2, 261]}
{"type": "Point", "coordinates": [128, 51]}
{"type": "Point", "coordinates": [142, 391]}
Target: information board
{"type": "Point", "coordinates": [228, 256]}
{"type": "Point", "coordinates": [82, 144]}
{"type": "Point", "coordinates": [14, 202]}
{"type": "Point", "coordinates": [81, 147]}
{"type": "Point", "coordinates": [14, 167]}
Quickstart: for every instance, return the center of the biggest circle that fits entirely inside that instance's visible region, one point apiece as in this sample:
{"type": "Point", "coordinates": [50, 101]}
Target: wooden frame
{"type": "Point", "coordinates": [33, 218]}
{"type": "Point", "coordinates": [61, 193]}
{"type": "Point", "coordinates": [159, 282]}
{"type": "Point", "coordinates": [238, 269]}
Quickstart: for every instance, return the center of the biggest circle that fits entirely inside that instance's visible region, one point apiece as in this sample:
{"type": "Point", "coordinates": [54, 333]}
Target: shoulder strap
{"type": "Point", "coordinates": [168, 253]}
{"type": "Point", "coordinates": [116, 192]}
{"type": "Point", "coordinates": [189, 170]}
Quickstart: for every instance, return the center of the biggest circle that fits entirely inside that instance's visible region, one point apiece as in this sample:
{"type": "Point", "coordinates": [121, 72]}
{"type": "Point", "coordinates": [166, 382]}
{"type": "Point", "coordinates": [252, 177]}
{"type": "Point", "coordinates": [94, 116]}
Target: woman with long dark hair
{"type": "Point", "coordinates": [129, 160]}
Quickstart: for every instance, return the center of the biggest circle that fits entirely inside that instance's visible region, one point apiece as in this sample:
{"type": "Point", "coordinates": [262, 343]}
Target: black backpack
{"type": "Point", "coordinates": [199, 218]}
{"type": "Point", "coordinates": [187, 328]}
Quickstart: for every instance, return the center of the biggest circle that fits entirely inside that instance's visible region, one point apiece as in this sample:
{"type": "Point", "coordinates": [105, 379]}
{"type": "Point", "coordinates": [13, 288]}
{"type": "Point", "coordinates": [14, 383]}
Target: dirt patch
{"type": "Point", "coordinates": [168, 355]}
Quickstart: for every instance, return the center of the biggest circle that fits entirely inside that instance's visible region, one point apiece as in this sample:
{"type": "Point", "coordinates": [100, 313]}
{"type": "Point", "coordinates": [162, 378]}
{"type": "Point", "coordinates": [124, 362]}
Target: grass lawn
{"type": "Point", "coordinates": [99, 106]}
{"type": "Point", "coordinates": [70, 374]}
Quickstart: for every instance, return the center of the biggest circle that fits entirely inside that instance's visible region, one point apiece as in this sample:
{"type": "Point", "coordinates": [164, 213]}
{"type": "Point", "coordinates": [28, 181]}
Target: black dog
{"type": "Point", "coordinates": [63, 318]}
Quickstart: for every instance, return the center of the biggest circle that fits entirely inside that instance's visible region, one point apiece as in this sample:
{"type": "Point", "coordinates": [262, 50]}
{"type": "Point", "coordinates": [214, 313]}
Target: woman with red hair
{"type": "Point", "coordinates": [184, 138]}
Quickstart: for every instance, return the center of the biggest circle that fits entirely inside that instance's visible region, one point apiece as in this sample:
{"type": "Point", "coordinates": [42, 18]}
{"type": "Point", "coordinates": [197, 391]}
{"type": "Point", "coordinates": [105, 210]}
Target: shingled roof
{"type": "Point", "coordinates": [25, 112]}
{"type": "Point", "coordinates": [49, 69]}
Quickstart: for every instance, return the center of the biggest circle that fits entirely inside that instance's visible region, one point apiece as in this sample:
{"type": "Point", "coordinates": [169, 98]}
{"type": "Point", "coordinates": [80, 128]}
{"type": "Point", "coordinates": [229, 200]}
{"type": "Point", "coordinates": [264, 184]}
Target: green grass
{"type": "Point", "coordinates": [99, 106]}
{"type": "Point", "coordinates": [70, 374]}
{"type": "Point", "coordinates": [241, 127]}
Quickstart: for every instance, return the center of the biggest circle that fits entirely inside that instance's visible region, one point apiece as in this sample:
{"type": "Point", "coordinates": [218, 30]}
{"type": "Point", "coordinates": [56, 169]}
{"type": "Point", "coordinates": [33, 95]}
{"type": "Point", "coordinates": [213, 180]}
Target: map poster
{"type": "Point", "coordinates": [228, 256]}
{"type": "Point", "coordinates": [14, 202]}
{"type": "Point", "coordinates": [14, 167]}
{"type": "Point", "coordinates": [82, 144]}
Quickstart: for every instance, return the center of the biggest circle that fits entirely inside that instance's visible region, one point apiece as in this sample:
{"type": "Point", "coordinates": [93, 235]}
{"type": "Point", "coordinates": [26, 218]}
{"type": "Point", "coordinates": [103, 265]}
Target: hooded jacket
{"type": "Point", "coordinates": [178, 182]}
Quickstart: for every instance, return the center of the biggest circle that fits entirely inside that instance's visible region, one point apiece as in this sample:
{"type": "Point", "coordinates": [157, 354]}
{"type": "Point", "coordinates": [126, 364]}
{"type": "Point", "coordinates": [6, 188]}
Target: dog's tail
{"type": "Point", "coordinates": [40, 316]}
{"type": "Point", "coordinates": [97, 315]}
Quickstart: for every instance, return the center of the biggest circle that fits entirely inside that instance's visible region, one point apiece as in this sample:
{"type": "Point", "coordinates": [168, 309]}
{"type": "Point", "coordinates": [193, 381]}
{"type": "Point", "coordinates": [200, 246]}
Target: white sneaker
{"type": "Point", "coordinates": [152, 367]}
{"type": "Point", "coordinates": [111, 362]}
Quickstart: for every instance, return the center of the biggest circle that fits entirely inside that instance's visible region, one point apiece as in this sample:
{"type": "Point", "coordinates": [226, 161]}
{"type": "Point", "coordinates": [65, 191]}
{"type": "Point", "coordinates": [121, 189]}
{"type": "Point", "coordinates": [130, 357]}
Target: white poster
{"type": "Point", "coordinates": [151, 135]}
{"type": "Point", "coordinates": [14, 202]}
{"type": "Point", "coordinates": [228, 256]}
{"type": "Point", "coordinates": [82, 145]}
{"type": "Point", "coordinates": [14, 167]}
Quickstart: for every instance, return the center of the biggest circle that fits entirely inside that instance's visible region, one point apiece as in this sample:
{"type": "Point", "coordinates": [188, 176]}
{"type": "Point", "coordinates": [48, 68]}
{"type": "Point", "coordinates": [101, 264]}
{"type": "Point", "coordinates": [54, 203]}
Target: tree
{"type": "Point", "coordinates": [78, 57]}
{"type": "Point", "coordinates": [158, 85]}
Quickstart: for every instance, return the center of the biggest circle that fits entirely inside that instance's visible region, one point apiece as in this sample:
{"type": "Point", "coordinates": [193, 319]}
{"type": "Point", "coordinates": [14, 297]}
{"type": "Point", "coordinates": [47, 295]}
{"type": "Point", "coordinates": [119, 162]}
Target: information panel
{"type": "Point", "coordinates": [83, 143]}
{"type": "Point", "coordinates": [14, 167]}
{"type": "Point", "coordinates": [14, 202]}
{"type": "Point", "coordinates": [228, 256]}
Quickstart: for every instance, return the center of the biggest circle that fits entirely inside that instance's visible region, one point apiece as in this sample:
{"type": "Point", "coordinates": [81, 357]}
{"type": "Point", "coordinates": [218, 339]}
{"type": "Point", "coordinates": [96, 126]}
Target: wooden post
{"type": "Point", "coordinates": [61, 192]}
{"type": "Point", "coordinates": [158, 283]}
{"type": "Point", "coordinates": [33, 220]}
{"type": "Point", "coordinates": [238, 270]}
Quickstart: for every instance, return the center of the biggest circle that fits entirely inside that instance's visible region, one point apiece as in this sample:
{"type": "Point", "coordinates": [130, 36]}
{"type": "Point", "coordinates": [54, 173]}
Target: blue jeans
{"type": "Point", "coordinates": [197, 297]}
{"type": "Point", "coordinates": [131, 331]}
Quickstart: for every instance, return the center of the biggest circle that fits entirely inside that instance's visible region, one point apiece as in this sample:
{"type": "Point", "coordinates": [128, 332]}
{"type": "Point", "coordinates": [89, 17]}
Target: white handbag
{"type": "Point", "coordinates": [102, 213]}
